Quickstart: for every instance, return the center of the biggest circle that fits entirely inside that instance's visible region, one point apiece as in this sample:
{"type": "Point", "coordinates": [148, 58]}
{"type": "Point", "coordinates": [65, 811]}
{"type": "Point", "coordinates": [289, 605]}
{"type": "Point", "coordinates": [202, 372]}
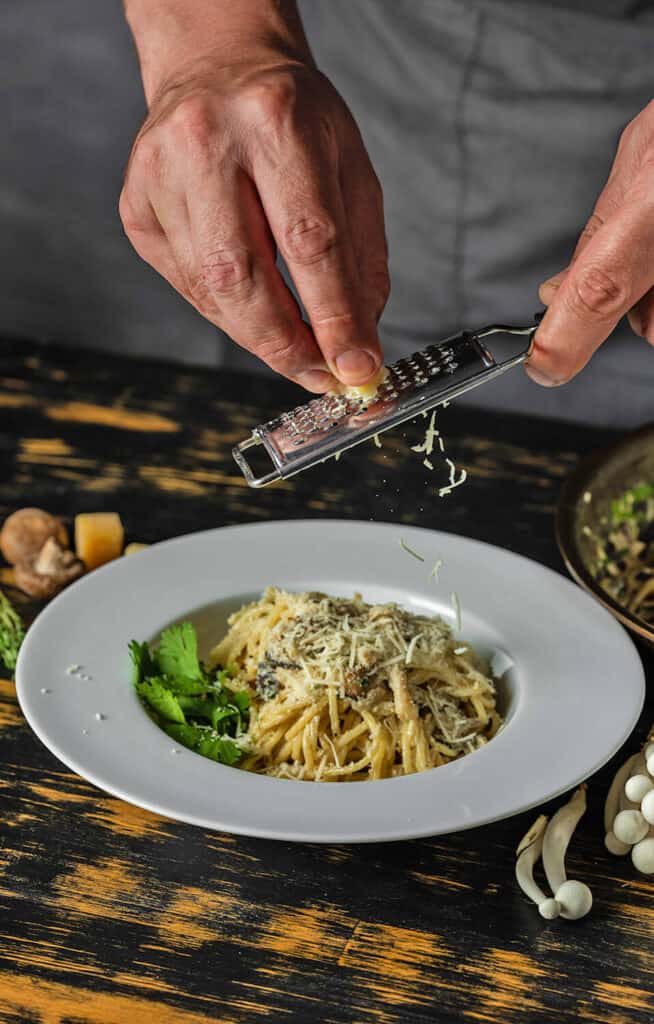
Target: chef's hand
{"type": "Point", "coordinates": [612, 269]}
{"type": "Point", "coordinates": [246, 149]}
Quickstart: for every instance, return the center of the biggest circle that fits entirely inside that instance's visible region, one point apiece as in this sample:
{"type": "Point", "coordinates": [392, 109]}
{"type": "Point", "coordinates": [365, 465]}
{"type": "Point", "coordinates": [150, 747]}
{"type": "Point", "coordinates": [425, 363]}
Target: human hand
{"type": "Point", "coordinates": [245, 152]}
{"type": "Point", "coordinates": [612, 269]}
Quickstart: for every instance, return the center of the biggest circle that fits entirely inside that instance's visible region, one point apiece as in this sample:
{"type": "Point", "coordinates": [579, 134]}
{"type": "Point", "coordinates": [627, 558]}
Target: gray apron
{"type": "Point", "coordinates": [491, 125]}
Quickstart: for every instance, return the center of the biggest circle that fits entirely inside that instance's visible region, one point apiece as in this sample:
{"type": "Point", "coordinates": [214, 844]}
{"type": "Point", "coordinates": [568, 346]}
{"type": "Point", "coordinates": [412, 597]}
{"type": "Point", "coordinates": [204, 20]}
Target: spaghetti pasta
{"type": "Point", "coordinates": [344, 690]}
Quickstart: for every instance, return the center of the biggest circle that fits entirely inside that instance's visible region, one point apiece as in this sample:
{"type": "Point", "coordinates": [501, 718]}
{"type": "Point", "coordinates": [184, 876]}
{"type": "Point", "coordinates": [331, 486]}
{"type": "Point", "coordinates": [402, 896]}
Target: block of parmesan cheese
{"type": "Point", "coordinates": [99, 537]}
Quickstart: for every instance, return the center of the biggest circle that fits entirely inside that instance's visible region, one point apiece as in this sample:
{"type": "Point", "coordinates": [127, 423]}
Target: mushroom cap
{"type": "Point", "coordinates": [575, 899]}
{"type": "Point", "coordinates": [30, 577]}
{"type": "Point", "coordinates": [642, 856]}
{"type": "Point", "coordinates": [615, 845]}
{"type": "Point", "coordinates": [549, 909]}
{"type": "Point", "coordinates": [650, 763]}
{"type": "Point", "coordinates": [647, 807]}
{"type": "Point", "coordinates": [25, 532]}
{"type": "Point", "coordinates": [648, 751]}
{"type": "Point", "coordinates": [630, 826]}
{"type": "Point", "coordinates": [636, 787]}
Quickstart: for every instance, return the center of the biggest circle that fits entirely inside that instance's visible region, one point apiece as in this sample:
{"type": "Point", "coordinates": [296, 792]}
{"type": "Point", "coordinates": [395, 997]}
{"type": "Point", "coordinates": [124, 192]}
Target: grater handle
{"type": "Point", "coordinates": [253, 441]}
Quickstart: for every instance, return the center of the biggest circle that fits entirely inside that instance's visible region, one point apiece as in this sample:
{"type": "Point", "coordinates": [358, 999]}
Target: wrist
{"type": "Point", "coordinates": [172, 34]}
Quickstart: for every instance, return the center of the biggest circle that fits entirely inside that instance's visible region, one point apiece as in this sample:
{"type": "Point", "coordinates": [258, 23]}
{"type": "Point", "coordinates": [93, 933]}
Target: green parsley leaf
{"type": "Point", "coordinates": [242, 700]}
{"type": "Point", "coordinates": [155, 693]}
{"type": "Point", "coordinates": [197, 707]}
{"type": "Point", "coordinates": [142, 663]}
{"type": "Point", "coordinates": [184, 685]}
{"type": "Point", "coordinates": [204, 741]}
{"type": "Point", "coordinates": [177, 654]}
{"type": "Point", "coordinates": [221, 749]}
{"type": "Point", "coordinates": [12, 633]}
{"type": "Point", "coordinates": [224, 714]}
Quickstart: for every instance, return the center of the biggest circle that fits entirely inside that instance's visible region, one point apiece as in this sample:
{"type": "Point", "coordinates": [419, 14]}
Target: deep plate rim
{"type": "Point", "coordinates": [409, 828]}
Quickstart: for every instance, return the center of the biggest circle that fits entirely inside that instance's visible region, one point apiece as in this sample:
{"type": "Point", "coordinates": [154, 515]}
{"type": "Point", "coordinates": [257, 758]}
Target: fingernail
{"type": "Point", "coordinates": [316, 380]}
{"type": "Point", "coordinates": [539, 377]}
{"type": "Point", "coordinates": [356, 364]}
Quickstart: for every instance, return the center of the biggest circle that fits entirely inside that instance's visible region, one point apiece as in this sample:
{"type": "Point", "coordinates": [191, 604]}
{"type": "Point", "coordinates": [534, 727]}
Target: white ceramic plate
{"type": "Point", "coordinates": [571, 697]}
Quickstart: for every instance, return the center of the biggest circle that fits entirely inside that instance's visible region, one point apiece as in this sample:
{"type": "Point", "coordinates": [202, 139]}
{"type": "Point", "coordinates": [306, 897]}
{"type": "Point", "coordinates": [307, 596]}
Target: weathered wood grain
{"type": "Point", "coordinates": [111, 914]}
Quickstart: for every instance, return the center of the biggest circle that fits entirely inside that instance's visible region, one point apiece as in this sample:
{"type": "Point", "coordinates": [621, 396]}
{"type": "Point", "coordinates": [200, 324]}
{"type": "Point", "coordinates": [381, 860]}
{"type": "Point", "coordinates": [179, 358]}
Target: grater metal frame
{"type": "Point", "coordinates": [330, 424]}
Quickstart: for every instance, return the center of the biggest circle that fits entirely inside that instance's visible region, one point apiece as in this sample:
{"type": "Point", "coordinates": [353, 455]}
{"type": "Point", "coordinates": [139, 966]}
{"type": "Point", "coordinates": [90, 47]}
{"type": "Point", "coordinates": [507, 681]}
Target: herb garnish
{"type": "Point", "coordinates": [192, 704]}
{"type": "Point", "coordinates": [12, 633]}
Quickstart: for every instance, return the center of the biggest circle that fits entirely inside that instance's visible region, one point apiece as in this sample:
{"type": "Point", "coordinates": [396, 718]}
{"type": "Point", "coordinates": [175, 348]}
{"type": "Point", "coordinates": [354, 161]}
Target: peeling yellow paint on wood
{"type": "Point", "coordinates": [105, 888]}
{"type": "Point", "coordinates": [195, 916]}
{"type": "Point", "coordinates": [58, 796]}
{"type": "Point", "coordinates": [312, 933]}
{"type": "Point", "coordinates": [45, 446]}
{"type": "Point", "coordinates": [11, 401]}
{"type": "Point", "coordinates": [171, 480]}
{"type": "Point", "coordinates": [46, 459]}
{"type": "Point", "coordinates": [505, 982]}
{"type": "Point", "coordinates": [105, 416]}
{"type": "Point", "coordinates": [126, 819]}
{"type": "Point", "coordinates": [623, 996]}
{"type": "Point", "coordinates": [54, 1003]}
{"type": "Point", "coordinates": [398, 964]}
{"type": "Point", "coordinates": [10, 713]}
{"type": "Point", "coordinates": [438, 880]}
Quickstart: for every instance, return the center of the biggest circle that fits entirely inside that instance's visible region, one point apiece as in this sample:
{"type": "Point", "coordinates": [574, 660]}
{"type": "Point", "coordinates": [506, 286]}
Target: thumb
{"type": "Point", "coordinates": [548, 289]}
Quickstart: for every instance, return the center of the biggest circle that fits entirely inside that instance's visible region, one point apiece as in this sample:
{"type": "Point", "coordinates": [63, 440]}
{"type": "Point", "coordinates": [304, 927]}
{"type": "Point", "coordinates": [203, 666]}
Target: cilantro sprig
{"type": "Point", "coordinates": [192, 704]}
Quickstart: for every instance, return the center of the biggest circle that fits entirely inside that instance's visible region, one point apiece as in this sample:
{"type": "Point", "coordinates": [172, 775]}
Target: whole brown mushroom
{"type": "Point", "coordinates": [25, 532]}
{"type": "Point", "coordinates": [53, 569]}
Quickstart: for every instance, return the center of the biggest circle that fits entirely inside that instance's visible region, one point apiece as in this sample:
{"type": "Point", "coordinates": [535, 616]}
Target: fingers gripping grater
{"type": "Point", "coordinates": [328, 425]}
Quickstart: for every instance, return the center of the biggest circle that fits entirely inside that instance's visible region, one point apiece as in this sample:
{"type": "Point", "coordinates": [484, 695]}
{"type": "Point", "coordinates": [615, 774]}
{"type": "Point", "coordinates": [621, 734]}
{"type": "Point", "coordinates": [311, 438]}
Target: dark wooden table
{"type": "Point", "coordinates": [112, 915]}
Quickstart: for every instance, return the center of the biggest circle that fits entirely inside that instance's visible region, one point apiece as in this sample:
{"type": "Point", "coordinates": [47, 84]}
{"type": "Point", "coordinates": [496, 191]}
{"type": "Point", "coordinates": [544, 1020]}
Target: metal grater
{"type": "Point", "coordinates": [330, 424]}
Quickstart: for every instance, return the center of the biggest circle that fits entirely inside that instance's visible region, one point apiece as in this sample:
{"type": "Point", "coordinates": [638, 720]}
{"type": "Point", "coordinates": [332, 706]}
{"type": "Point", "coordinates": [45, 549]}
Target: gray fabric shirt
{"type": "Point", "coordinates": [492, 126]}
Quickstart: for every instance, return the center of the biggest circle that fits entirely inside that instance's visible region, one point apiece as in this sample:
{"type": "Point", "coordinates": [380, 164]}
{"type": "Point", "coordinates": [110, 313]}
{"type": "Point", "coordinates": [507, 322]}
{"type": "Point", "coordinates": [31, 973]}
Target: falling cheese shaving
{"type": "Point", "coordinates": [427, 464]}
{"type": "Point", "coordinates": [454, 482]}
{"type": "Point", "coordinates": [427, 446]}
{"type": "Point", "coordinates": [457, 609]}
{"type": "Point", "coordinates": [410, 551]}
{"type": "Point", "coordinates": [438, 565]}
{"type": "Point", "coordinates": [375, 438]}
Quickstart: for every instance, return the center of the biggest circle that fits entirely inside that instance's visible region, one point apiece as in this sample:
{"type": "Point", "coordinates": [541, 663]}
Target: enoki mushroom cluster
{"type": "Point", "coordinates": [629, 810]}
{"type": "Point", "coordinates": [570, 899]}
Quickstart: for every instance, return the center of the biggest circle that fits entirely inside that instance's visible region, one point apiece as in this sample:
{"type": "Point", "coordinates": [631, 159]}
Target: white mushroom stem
{"type": "Point", "coordinates": [612, 802]}
{"type": "Point", "coordinates": [528, 852]}
{"type": "Point", "coordinates": [574, 898]}
{"type": "Point", "coordinates": [558, 835]}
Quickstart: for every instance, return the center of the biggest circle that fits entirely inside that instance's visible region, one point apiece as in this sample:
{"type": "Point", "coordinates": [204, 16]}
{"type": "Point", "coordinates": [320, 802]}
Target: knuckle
{"type": "Point", "coordinates": [272, 98]}
{"type": "Point", "coordinates": [225, 273]}
{"type": "Point", "coordinates": [129, 218]}
{"type": "Point", "coordinates": [599, 294]}
{"type": "Point", "coordinates": [193, 119]}
{"type": "Point", "coordinates": [279, 351]}
{"type": "Point", "coordinates": [147, 159]}
{"type": "Point", "coordinates": [309, 240]}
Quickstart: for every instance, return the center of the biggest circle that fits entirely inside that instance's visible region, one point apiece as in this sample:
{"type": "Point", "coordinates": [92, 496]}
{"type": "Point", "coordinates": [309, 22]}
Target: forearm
{"type": "Point", "coordinates": [170, 34]}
